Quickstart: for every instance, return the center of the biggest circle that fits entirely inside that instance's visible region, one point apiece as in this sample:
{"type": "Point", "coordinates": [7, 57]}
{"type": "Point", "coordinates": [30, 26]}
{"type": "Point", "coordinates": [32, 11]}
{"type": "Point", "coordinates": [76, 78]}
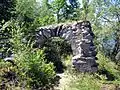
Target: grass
{"type": "Point", "coordinates": [97, 81]}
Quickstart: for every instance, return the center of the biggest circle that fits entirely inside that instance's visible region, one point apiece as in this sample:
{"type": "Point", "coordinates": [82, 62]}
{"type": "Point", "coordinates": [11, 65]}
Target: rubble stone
{"type": "Point", "coordinates": [80, 36]}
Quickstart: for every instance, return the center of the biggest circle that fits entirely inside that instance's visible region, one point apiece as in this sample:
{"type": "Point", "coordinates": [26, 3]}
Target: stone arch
{"type": "Point", "coordinates": [80, 36]}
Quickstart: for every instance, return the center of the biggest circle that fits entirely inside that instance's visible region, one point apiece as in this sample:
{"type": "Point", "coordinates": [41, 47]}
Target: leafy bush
{"type": "Point", "coordinates": [8, 78]}
{"type": "Point", "coordinates": [31, 69]}
{"type": "Point", "coordinates": [107, 67]}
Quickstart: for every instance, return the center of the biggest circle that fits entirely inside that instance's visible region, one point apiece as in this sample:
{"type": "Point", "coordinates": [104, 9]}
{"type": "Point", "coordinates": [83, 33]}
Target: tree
{"type": "Point", "coordinates": [45, 16]}
{"type": "Point", "coordinates": [67, 13]}
{"type": "Point", "coordinates": [7, 8]}
{"type": "Point", "coordinates": [57, 5]}
{"type": "Point", "coordinates": [108, 14]}
{"type": "Point", "coordinates": [26, 10]}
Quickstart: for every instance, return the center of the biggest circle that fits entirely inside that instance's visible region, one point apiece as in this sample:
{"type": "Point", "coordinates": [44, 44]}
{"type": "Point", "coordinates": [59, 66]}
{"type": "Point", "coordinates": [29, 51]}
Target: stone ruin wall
{"type": "Point", "coordinates": [80, 36]}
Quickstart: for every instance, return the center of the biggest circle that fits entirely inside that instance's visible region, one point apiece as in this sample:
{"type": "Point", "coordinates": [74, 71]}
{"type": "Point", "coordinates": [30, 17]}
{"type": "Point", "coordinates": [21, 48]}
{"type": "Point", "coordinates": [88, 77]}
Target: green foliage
{"type": "Point", "coordinates": [33, 67]}
{"type": "Point", "coordinates": [30, 67]}
{"type": "Point", "coordinates": [45, 17]}
{"type": "Point", "coordinates": [107, 14]}
{"type": "Point", "coordinates": [108, 67]}
{"type": "Point", "coordinates": [5, 34]}
{"type": "Point", "coordinates": [26, 9]}
{"type": "Point", "coordinates": [74, 3]}
{"type": "Point", "coordinates": [33, 70]}
{"type": "Point", "coordinates": [56, 48]}
{"type": "Point", "coordinates": [57, 5]}
{"type": "Point", "coordinates": [32, 64]}
{"type": "Point", "coordinates": [7, 8]}
{"type": "Point", "coordinates": [84, 82]}
{"type": "Point", "coordinates": [8, 77]}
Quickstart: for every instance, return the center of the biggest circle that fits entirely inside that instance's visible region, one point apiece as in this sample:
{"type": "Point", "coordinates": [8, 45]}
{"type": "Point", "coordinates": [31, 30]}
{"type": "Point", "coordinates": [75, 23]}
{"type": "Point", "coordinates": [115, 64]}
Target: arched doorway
{"type": "Point", "coordinates": [80, 36]}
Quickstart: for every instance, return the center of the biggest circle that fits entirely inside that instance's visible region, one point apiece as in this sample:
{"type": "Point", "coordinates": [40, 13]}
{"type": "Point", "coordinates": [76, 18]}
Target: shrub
{"type": "Point", "coordinates": [8, 78]}
{"type": "Point", "coordinates": [31, 69]}
{"type": "Point", "coordinates": [107, 67]}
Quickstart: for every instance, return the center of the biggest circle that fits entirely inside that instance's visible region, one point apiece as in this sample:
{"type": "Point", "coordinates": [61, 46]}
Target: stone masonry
{"type": "Point", "coordinates": [80, 36]}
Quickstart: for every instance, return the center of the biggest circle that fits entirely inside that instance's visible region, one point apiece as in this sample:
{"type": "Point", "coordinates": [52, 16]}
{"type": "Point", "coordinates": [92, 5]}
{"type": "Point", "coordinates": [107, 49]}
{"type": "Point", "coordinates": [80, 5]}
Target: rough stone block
{"type": "Point", "coordinates": [81, 37]}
